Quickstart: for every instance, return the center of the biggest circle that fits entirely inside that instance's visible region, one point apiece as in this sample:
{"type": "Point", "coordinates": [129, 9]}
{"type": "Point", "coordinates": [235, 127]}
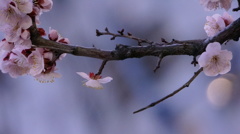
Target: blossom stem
{"type": "Point", "coordinates": [102, 66]}
{"type": "Point", "coordinates": [171, 94]}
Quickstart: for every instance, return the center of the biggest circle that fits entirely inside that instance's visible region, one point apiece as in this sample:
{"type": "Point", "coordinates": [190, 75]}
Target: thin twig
{"type": "Point", "coordinates": [101, 68]}
{"type": "Point", "coordinates": [158, 64]}
{"type": "Point", "coordinates": [173, 93]}
{"type": "Point", "coordinates": [121, 34]}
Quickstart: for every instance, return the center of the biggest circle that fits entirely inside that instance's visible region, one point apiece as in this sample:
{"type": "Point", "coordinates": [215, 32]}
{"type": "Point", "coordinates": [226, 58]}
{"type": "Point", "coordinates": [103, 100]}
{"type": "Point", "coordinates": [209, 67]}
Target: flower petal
{"type": "Point", "coordinates": [84, 75]}
{"type": "Point", "coordinates": [105, 80]}
{"type": "Point", "coordinates": [93, 84]}
{"type": "Point", "coordinates": [212, 47]}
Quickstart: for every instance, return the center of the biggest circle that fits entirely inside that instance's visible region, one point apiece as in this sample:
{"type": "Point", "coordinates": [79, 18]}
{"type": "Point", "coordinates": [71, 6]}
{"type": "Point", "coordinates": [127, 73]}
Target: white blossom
{"type": "Point", "coordinates": [215, 61]}
{"type": "Point", "coordinates": [93, 80]}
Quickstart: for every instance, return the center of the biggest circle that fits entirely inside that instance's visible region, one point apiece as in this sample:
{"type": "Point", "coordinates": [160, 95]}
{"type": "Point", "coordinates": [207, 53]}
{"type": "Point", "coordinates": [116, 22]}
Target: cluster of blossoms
{"type": "Point", "coordinates": [214, 4]}
{"type": "Point", "coordinates": [18, 56]}
{"type": "Point", "coordinates": [215, 61]}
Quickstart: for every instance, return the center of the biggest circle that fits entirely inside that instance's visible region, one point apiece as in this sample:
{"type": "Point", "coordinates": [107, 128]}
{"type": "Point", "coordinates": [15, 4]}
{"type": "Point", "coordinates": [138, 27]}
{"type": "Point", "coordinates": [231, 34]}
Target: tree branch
{"type": "Point", "coordinates": [121, 52]}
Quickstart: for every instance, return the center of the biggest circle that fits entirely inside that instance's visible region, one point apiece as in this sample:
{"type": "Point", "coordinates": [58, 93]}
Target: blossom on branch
{"type": "Point", "coordinates": [215, 61]}
{"type": "Point", "coordinates": [46, 77]}
{"type": "Point", "coordinates": [25, 6]}
{"type": "Point", "coordinates": [44, 5]}
{"type": "Point", "coordinates": [94, 80]}
{"type": "Point", "coordinates": [15, 63]}
{"type": "Point", "coordinates": [214, 4]}
{"type": "Point", "coordinates": [217, 23]}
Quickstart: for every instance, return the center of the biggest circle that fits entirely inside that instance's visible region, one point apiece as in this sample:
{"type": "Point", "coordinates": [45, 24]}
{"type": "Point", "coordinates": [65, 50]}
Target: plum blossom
{"type": "Point", "coordinates": [6, 46]}
{"type": "Point", "coordinates": [94, 80]}
{"type": "Point", "coordinates": [55, 36]}
{"type": "Point", "coordinates": [18, 32]}
{"type": "Point", "coordinates": [25, 6]}
{"type": "Point", "coordinates": [13, 11]}
{"type": "Point", "coordinates": [36, 61]}
{"type": "Point", "coordinates": [47, 77]}
{"type": "Point", "coordinates": [214, 4]}
{"type": "Point", "coordinates": [228, 19]}
{"type": "Point", "coordinates": [15, 63]}
{"type": "Point", "coordinates": [47, 71]}
{"type": "Point", "coordinates": [15, 21]}
{"type": "Point", "coordinates": [24, 41]}
{"type": "Point", "coordinates": [46, 5]}
{"type": "Point", "coordinates": [215, 61]}
{"type": "Point", "coordinates": [17, 54]}
{"type": "Point", "coordinates": [9, 13]}
{"type": "Point", "coordinates": [217, 23]}
{"type": "Point", "coordinates": [43, 5]}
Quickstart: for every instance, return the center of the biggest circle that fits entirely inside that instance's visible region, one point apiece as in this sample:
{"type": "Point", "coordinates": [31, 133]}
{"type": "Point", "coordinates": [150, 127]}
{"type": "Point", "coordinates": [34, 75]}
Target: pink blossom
{"type": "Point", "coordinates": [6, 46]}
{"type": "Point", "coordinates": [217, 23]}
{"type": "Point", "coordinates": [48, 74]}
{"type": "Point", "coordinates": [53, 34]}
{"type": "Point", "coordinates": [215, 61]}
{"type": "Point", "coordinates": [46, 5]}
{"type": "Point", "coordinates": [36, 61]}
{"type": "Point", "coordinates": [228, 19]}
{"type": "Point", "coordinates": [42, 5]}
{"type": "Point", "coordinates": [25, 6]}
{"type": "Point", "coordinates": [24, 41]}
{"type": "Point", "coordinates": [13, 33]}
{"type": "Point", "coordinates": [9, 13]}
{"type": "Point", "coordinates": [15, 63]}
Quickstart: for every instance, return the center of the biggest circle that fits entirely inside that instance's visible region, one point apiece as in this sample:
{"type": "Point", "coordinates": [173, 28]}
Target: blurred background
{"type": "Point", "coordinates": [211, 105]}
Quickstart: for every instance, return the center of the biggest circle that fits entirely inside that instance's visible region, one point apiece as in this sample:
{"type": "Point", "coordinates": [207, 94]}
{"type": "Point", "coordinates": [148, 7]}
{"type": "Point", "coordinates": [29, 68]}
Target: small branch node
{"type": "Point", "coordinates": [121, 32]}
{"type": "Point", "coordinates": [194, 62]}
{"type": "Point", "coordinates": [113, 38]}
{"type": "Point", "coordinates": [106, 29]}
{"type": "Point", "coordinates": [98, 33]}
{"type": "Point", "coordinates": [129, 34]}
{"type": "Point", "coordinates": [164, 41]}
